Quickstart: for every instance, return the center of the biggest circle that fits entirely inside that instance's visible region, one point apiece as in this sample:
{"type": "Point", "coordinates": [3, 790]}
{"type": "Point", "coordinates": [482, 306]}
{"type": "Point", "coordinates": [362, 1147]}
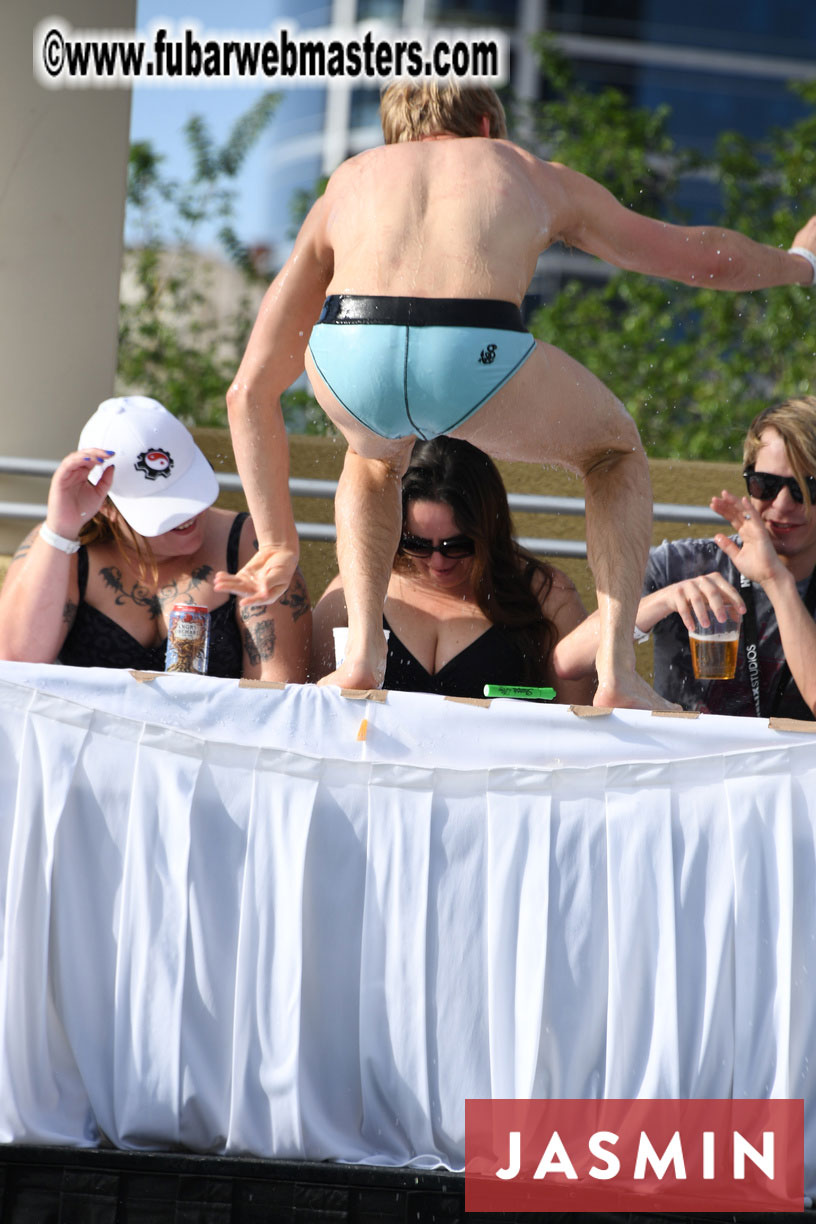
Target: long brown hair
{"type": "Point", "coordinates": [458, 474]}
{"type": "Point", "coordinates": [108, 526]}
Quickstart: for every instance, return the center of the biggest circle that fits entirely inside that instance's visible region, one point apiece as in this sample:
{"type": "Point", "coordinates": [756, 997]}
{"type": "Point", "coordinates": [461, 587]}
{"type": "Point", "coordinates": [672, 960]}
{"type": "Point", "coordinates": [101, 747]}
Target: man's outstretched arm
{"type": "Point", "coordinates": [704, 256]}
{"type": "Point", "coordinates": [273, 359]}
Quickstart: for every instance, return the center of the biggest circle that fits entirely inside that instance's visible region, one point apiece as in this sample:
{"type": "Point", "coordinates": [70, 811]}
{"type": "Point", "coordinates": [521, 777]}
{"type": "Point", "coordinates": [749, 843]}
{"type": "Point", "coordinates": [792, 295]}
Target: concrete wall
{"type": "Point", "coordinates": [63, 168]}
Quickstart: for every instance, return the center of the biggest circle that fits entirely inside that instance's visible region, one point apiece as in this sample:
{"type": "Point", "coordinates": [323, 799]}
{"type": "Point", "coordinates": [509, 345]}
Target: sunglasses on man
{"type": "Point", "coordinates": [453, 549]}
{"type": "Point", "coordinates": [765, 486]}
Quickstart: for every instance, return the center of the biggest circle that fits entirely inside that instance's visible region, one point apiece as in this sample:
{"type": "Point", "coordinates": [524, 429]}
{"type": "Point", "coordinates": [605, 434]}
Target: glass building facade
{"type": "Point", "coordinates": [718, 64]}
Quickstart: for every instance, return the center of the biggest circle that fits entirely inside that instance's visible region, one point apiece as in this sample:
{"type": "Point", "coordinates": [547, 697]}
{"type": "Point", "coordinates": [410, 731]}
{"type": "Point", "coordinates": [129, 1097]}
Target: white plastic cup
{"type": "Point", "coordinates": [340, 635]}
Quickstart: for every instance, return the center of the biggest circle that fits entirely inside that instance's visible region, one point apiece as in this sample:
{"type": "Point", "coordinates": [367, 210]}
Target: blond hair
{"type": "Point", "coordinates": [795, 422]}
{"type": "Point", "coordinates": [411, 110]}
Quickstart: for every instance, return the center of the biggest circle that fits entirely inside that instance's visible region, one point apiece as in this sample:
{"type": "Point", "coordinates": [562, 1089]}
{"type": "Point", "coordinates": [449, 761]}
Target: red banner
{"type": "Point", "coordinates": [620, 1155]}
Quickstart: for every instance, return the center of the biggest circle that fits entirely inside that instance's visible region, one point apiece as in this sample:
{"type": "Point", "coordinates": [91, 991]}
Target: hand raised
{"type": "Point", "coordinates": [806, 237]}
{"type": "Point", "coordinates": [756, 558]}
{"type": "Point", "coordinates": [72, 499]}
{"type": "Point", "coordinates": [264, 578]}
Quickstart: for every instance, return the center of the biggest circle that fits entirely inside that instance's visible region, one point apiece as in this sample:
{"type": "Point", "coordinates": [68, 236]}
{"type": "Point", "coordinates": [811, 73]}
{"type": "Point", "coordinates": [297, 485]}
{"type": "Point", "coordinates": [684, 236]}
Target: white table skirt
{"type": "Point", "coordinates": [229, 924]}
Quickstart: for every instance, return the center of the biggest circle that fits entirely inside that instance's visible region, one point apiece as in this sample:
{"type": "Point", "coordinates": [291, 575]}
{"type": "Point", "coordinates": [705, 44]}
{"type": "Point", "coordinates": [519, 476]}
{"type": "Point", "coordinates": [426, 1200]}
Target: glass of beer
{"type": "Point", "coordinates": [714, 646]}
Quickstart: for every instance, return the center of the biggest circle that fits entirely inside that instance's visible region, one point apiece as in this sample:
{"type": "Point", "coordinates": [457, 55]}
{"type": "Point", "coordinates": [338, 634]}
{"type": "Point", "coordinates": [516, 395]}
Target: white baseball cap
{"type": "Point", "coordinates": [160, 478]}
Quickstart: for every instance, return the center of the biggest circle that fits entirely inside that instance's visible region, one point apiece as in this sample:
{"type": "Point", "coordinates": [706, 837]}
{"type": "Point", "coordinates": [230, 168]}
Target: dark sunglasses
{"type": "Point", "coordinates": [765, 486]}
{"type": "Point", "coordinates": [459, 546]}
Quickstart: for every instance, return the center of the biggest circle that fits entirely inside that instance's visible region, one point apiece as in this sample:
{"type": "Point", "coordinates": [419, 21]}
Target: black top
{"type": "Point", "coordinates": [674, 560]}
{"type": "Point", "coordinates": [494, 658]}
{"type": "Point", "coordinates": [95, 640]}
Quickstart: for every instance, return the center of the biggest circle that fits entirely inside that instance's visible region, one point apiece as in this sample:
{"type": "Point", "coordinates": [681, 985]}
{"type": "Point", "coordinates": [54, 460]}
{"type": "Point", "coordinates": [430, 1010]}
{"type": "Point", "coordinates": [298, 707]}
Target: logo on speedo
{"type": "Point", "coordinates": [488, 355]}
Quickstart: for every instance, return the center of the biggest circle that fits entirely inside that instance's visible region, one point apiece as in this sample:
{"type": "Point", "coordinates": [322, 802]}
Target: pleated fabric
{"type": "Point", "coordinates": [229, 925]}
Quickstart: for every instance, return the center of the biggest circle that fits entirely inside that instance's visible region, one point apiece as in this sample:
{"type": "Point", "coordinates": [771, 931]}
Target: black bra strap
{"type": "Point", "coordinates": [234, 541]}
{"type": "Point", "coordinates": [82, 571]}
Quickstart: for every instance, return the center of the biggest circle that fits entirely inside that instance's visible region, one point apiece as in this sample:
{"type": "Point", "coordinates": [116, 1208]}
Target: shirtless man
{"type": "Point", "coordinates": [424, 249]}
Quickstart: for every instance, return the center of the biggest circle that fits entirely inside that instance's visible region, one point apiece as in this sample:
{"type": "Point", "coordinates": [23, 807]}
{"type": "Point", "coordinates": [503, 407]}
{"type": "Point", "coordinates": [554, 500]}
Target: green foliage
{"type": "Point", "coordinates": [303, 414]}
{"type": "Point", "coordinates": [301, 410]}
{"type": "Point", "coordinates": [173, 342]}
{"type": "Point", "coordinates": [301, 201]}
{"type": "Point", "coordinates": [693, 366]}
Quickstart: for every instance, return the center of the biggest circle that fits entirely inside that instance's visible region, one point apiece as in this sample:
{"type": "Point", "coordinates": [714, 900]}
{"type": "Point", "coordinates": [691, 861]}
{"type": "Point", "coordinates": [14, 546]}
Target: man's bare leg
{"type": "Point", "coordinates": [618, 523]}
{"type": "Point", "coordinates": [580, 425]}
{"type": "Point", "coordinates": [368, 514]}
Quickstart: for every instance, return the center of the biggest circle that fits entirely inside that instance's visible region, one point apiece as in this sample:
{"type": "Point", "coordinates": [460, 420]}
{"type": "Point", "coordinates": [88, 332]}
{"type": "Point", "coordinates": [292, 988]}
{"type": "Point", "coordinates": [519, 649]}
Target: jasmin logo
{"type": "Point", "coordinates": [621, 1155]}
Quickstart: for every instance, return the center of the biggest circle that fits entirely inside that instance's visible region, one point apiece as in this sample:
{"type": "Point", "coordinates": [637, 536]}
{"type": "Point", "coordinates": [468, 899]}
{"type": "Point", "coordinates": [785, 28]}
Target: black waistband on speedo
{"type": "Point", "coordinates": [422, 312]}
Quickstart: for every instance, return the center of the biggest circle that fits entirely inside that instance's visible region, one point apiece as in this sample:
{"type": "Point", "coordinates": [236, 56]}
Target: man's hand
{"type": "Point", "coordinates": [700, 597]}
{"type": "Point", "coordinates": [757, 559]}
{"type": "Point", "coordinates": [806, 237]}
{"type": "Point", "coordinates": [264, 578]}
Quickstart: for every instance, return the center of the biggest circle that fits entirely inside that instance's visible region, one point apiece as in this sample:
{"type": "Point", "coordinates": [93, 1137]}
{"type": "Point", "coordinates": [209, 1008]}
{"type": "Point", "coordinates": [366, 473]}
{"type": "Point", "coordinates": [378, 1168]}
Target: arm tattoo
{"type": "Point", "coordinates": [137, 594]}
{"type": "Point", "coordinates": [259, 638]}
{"type": "Point", "coordinates": [22, 550]}
{"type": "Point", "coordinates": [296, 597]}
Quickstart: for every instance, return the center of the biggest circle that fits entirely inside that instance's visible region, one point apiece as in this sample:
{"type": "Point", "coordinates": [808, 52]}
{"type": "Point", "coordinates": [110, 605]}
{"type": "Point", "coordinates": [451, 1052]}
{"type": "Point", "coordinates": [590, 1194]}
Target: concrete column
{"type": "Point", "coordinates": [63, 173]}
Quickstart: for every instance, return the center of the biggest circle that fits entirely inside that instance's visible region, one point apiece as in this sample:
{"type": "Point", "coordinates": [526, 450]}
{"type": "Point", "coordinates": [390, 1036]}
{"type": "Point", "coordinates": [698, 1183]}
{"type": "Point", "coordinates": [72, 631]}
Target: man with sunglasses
{"type": "Point", "coordinates": [402, 300]}
{"type": "Point", "coordinates": [767, 571]}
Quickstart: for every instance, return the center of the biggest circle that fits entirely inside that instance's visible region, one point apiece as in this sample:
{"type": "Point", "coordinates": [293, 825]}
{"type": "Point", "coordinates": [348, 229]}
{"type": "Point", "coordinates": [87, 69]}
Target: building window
{"type": "Point", "coordinates": [385, 9]}
{"type": "Point", "coordinates": [365, 108]}
{"type": "Point", "coordinates": [471, 12]}
{"type": "Point", "coordinates": [786, 28]}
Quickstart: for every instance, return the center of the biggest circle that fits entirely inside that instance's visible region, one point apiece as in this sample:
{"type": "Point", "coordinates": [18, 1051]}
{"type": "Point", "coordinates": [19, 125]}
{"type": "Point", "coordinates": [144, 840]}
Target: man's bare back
{"type": "Point", "coordinates": [439, 218]}
{"type": "Point", "coordinates": [463, 215]}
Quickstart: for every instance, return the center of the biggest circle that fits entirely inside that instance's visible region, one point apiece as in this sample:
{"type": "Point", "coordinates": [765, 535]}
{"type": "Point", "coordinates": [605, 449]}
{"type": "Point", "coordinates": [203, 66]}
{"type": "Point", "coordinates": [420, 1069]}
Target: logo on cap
{"type": "Point", "coordinates": [154, 463]}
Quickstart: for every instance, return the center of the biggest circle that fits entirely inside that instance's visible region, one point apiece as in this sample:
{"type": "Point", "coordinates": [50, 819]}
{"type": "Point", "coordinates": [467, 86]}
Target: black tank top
{"type": "Point", "coordinates": [95, 640]}
{"type": "Point", "coordinates": [494, 658]}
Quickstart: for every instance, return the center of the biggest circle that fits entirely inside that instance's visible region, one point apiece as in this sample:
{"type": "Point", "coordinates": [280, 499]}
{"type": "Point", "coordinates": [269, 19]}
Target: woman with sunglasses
{"type": "Point", "coordinates": [466, 605]}
{"type": "Point", "coordinates": [767, 571]}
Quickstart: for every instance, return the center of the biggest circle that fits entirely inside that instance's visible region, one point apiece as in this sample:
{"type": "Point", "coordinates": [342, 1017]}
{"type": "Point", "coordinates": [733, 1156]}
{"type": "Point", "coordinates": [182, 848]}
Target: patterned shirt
{"type": "Point", "coordinates": [675, 560]}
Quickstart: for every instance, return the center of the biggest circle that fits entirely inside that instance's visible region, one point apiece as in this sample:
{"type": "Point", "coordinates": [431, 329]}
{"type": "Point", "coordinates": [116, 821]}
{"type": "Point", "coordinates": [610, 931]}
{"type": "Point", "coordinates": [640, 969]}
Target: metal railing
{"type": "Point", "coordinates": [527, 503]}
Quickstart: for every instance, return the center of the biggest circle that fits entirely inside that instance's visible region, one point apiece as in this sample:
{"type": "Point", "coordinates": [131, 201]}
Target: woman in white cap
{"type": "Point", "coordinates": [130, 531]}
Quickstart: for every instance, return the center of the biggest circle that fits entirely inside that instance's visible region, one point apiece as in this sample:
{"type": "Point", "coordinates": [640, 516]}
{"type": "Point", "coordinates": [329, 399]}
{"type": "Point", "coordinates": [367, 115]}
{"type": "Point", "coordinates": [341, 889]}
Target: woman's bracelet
{"type": "Point", "coordinates": [809, 256]}
{"type": "Point", "coordinates": [58, 541]}
{"type": "Point", "coordinates": [640, 636]}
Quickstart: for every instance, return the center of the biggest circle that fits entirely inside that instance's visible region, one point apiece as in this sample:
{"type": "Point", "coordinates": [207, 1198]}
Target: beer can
{"type": "Point", "coordinates": [188, 639]}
